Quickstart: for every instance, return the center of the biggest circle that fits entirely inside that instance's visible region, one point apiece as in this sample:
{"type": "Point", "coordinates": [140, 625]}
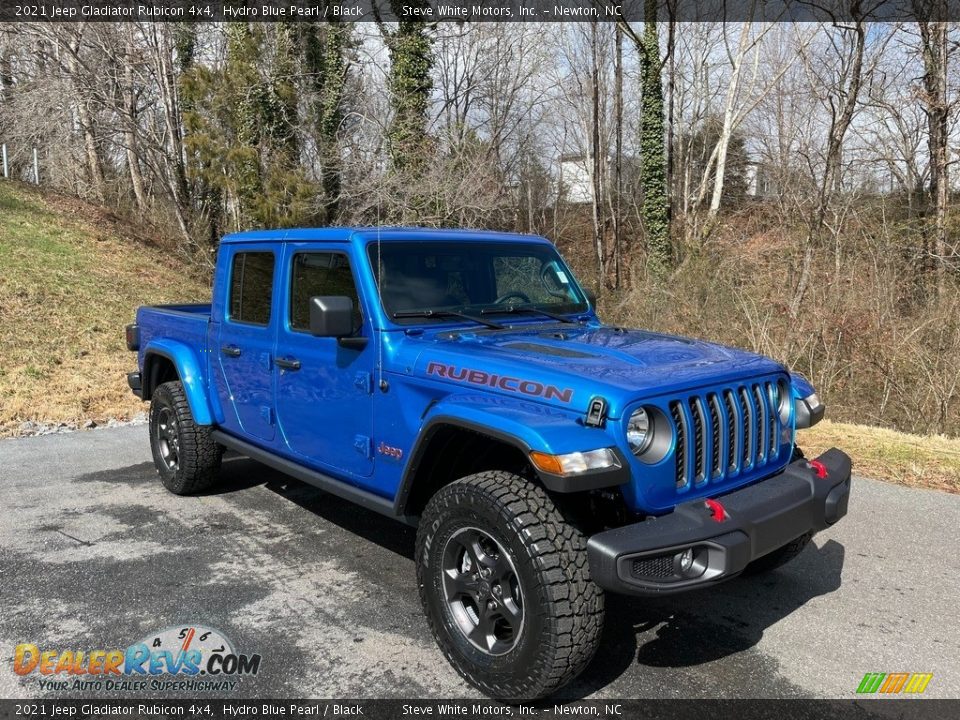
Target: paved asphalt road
{"type": "Point", "coordinates": [96, 554]}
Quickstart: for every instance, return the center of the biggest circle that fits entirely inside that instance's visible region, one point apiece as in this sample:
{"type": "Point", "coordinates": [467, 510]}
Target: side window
{"type": "Point", "coordinates": [251, 287]}
{"type": "Point", "coordinates": [320, 273]}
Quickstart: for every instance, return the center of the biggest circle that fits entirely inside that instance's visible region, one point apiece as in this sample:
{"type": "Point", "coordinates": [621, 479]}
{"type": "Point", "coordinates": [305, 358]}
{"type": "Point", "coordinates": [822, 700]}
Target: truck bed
{"type": "Point", "coordinates": [185, 322]}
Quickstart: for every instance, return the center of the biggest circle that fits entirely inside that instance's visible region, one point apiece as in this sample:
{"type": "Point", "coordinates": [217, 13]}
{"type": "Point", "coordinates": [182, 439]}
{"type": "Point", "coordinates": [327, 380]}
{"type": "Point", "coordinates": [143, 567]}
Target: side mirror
{"type": "Point", "coordinates": [591, 297]}
{"type": "Point", "coordinates": [331, 316]}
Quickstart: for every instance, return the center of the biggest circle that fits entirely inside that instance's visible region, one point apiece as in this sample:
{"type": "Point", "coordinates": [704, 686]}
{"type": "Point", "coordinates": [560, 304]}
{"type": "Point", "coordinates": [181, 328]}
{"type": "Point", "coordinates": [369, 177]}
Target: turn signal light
{"type": "Point", "coordinates": [576, 462]}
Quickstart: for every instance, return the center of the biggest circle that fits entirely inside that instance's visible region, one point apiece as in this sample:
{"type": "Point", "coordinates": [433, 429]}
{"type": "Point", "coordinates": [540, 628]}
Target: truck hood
{"type": "Point", "coordinates": [567, 365]}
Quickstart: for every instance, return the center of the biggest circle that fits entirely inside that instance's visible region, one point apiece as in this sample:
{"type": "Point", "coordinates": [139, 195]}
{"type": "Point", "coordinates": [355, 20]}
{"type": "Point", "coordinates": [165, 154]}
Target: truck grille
{"type": "Point", "coordinates": [723, 433]}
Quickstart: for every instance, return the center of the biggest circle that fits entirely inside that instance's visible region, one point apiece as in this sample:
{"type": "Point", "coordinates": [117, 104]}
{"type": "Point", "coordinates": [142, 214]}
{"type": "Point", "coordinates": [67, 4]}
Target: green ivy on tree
{"type": "Point", "coordinates": [411, 59]}
{"type": "Point", "coordinates": [325, 63]}
{"type": "Point", "coordinates": [656, 218]}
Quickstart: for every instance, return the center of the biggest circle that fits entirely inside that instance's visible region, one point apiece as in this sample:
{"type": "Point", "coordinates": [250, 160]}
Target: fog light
{"type": "Point", "coordinates": [685, 560]}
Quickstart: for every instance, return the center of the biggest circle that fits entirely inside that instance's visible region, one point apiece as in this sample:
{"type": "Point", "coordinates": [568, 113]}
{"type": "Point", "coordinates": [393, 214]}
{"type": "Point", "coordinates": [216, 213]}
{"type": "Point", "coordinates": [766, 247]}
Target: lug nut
{"type": "Point", "coordinates": [497, 590]}
{"type": "Point", "coordinates": [492, 605]}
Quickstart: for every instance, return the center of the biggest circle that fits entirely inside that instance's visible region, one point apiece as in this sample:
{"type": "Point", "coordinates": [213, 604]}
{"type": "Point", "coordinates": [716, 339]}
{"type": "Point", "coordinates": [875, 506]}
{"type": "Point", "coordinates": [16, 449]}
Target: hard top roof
{"type": "Point", "coordinates": [384, 234]}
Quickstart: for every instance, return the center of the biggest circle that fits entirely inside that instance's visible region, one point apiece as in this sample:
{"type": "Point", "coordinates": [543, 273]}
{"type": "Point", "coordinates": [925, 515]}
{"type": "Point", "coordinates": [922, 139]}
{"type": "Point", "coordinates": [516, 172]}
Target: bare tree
{"type": "Point", "coordinates": [935, 50]}
{"type": "Point", "coordinates": [842, 96]}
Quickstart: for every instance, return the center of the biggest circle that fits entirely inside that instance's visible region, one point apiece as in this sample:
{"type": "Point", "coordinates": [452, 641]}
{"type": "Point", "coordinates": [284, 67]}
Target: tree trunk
{"type": "Point", "coordinates": [935, 55]}
{"type": "Point", "coordinates": [671, 95]}
{"type": "Point", "coordinates": [850, 93]}
{"type": "Point", "coordinates": [71, 63]}
{"type": "Point", "coordinates": [656, 219]}
{"type": "Point", "coordinates": [618, 159]}
{"type": "Point", "coordinates": [94, 164]}
{"type": "Point", "coordinates": [596, 168]}
{"type": "Point", "coordinates": [130, 124]}
{"type": "Point", "coordinates": [726, 131]}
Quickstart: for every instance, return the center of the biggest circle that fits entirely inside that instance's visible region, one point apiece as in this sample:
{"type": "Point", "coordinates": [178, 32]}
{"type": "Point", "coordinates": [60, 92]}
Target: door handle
{"type": "Point", "coordinates": [230, 350]}
{"type": "Point", "coordinates": [287, 363]}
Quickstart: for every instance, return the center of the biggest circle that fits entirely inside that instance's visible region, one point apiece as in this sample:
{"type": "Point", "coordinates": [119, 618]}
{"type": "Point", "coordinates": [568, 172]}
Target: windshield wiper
{"type": "Point", "coordinates": [511, 309]}
{"type": "Point", "coordinates": [430, 313]}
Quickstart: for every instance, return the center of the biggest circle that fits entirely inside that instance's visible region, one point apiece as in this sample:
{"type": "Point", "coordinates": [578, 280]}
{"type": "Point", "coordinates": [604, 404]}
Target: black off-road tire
{"type": "Point", "coordinates": [197, 455]}
{"type": "Point", "coordinates": [562, 607]}
{"type": "Point", "coordinates": [780, 556]}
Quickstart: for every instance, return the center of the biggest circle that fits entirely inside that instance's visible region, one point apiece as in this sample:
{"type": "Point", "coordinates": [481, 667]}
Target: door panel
{"type": "Point", "coordinates": [246, 344]}
{"type": "Point", "coordinates": [324, 390]}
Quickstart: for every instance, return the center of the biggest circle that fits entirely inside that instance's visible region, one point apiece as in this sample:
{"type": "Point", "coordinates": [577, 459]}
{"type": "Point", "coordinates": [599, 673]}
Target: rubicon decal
{"type": "Point", "coordinates": [186, 652]}
{"type": "Point", "coordinates": [503, 382]}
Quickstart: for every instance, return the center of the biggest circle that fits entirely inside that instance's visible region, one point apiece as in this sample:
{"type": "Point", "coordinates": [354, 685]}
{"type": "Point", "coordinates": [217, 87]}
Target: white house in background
{"type": "Point", "coordinates": [760, 180]}
{"type": "Point", "coordinates": [574, 179]}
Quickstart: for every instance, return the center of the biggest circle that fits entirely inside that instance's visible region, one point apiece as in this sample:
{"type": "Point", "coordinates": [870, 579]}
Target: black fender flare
{"type": "Point", "coordinates": [591, 480]}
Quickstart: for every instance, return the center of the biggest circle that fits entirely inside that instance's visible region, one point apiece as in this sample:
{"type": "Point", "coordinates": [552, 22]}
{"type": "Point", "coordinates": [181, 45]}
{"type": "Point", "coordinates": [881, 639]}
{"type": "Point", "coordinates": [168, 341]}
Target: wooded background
{"type": "Point", "coordinates": [784, 187]}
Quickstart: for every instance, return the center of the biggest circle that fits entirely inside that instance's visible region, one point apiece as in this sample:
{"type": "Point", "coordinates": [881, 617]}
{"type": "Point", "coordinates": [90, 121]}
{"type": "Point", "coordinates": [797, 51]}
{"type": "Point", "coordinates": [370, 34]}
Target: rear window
{"type": "Point", "coordinates": [251, 287]}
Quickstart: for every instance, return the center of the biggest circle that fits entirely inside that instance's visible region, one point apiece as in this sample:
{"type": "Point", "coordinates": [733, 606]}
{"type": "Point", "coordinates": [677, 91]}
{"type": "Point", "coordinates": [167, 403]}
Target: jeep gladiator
{"type": "Point", "coordinates": [461, 382]}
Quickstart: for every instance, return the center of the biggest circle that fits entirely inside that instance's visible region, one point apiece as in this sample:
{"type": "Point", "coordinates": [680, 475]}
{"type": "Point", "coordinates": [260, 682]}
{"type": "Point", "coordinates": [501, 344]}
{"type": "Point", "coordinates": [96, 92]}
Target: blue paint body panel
{"type": "Point", "coordinates": [532, 381]}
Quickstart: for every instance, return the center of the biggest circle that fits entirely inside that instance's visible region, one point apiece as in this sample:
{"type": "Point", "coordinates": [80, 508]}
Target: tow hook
{"type": "Point", "coordinates": [717, 511]}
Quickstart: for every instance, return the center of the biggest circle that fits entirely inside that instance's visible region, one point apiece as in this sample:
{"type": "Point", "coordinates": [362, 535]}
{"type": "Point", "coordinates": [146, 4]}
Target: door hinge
{"type": "Point", "coordinates": [266, 412]}
{"type": "Point", "coordinates": [364, 382]}
{"type": "Point", "coordinates": [363, 445]}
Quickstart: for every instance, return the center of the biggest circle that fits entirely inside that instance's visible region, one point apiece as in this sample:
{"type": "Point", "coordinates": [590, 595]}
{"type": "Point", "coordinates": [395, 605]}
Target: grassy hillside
{"type": "Point", "coordinates": [71, 277]}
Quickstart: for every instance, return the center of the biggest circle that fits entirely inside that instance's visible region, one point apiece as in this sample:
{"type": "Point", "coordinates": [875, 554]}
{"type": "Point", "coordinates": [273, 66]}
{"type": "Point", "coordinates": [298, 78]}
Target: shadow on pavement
{"type": "Point", "coordinates": [700, 627]}
{"type": "Point", "coordinates": [238, 473]}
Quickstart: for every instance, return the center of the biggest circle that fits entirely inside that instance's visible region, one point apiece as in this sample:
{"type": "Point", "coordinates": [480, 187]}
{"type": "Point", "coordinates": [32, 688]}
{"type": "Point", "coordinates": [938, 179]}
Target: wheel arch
{"type": "Point", "coordinates": [167, 360]}
{"type": "Point", "coordinates": [448, 448]}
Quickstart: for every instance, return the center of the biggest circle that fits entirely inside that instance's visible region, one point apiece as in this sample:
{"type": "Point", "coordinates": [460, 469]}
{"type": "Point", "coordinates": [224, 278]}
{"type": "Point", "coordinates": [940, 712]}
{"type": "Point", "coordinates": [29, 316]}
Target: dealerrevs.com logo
{"type": "Point", "coordinates": [190, 659]}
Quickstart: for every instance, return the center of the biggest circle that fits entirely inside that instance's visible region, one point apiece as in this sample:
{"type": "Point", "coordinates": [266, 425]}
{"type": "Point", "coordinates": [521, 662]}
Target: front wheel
{"type": "Point", "coordinates": [505, 585]}
{"type": "Point", "coordinates": [186, 457]}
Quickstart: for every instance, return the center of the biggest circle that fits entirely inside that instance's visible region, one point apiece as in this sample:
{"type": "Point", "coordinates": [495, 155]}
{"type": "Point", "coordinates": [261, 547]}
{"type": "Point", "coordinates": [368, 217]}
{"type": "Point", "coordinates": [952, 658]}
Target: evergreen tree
{"type": "Point", "coordinates": [698, 143]}
{"type": "Point", "coordinates": [245, 100]}
{"type": "Point", "coordinates": [243, 131]}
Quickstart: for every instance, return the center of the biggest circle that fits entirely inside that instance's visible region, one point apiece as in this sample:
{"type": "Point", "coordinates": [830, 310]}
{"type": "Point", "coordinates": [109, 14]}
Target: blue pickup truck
{"type": "Point", "coordinates": [461, 382]}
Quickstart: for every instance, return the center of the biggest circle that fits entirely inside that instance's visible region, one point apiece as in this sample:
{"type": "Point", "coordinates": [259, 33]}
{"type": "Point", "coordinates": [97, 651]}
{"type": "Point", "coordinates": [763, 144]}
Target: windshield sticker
{"type": "Point", "coordinates": [562, 276]}
{"type": "Point", "coordinates": [504, 382]}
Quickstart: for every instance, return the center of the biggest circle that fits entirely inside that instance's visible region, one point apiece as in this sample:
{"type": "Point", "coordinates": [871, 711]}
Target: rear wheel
{"type": "Point", "coordinates": [505, 585]}
{"type": "Point", "coordinates": [186, 457]}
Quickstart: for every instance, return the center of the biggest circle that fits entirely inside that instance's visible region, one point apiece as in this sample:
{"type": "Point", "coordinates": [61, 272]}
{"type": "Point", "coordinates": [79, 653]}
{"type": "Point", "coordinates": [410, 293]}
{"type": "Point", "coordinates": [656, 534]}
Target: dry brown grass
{"type": "Point", "coordinates": [71, 277]}
{"type": "Point", "coordinates": [929, 461]}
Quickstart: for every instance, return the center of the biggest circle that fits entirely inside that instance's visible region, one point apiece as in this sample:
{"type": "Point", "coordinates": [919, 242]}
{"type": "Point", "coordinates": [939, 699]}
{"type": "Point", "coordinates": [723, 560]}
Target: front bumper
{"type": "Point", "coordinates": [723, 536]}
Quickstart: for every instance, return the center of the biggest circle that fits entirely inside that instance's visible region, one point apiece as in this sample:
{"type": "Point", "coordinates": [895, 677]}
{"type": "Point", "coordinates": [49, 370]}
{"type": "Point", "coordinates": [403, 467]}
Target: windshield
{"type": "Point", "coordinates": [471, 278]}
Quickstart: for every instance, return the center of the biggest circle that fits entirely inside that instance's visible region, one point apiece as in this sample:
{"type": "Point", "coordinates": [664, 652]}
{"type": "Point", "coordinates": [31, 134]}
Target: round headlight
{"type": "Point", "coordinates": [639, 431]}
{"type": "Point", "coordinates": [781, 398]}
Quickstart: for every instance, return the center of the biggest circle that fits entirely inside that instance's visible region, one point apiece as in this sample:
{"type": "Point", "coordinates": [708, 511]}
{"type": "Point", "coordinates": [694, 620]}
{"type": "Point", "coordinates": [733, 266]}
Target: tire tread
{"type": "Point", "coordinates": [558, 551]}
{"type": "Point", "coordinates": [200, 454]}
